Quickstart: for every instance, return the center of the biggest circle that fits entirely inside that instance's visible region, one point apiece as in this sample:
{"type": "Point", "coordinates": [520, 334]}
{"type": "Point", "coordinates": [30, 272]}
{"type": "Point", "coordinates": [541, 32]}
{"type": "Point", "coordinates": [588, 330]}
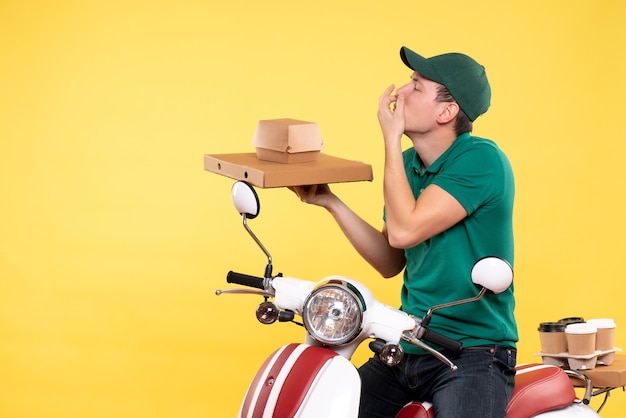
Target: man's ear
{"type": "Point", "coordinates": [448, 112]}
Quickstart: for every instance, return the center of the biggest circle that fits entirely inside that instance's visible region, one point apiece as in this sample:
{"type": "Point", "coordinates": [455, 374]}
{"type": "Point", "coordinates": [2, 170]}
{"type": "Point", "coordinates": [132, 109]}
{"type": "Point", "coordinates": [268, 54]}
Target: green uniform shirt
{"type": "Point", "coordinates": [479, 176]}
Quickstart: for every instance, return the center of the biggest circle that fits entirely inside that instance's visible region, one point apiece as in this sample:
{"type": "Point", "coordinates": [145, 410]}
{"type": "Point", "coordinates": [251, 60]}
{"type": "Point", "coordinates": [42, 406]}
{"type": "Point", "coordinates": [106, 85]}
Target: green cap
{"type": "Point", "coordinates": [464, 78]}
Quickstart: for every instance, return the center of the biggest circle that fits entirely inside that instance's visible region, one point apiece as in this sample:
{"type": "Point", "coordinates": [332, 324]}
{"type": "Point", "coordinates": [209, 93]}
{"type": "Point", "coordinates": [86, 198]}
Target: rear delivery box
{"type": "Point", "coordinates": [287, 141]}
{"type": "Point", "coordinates": [609, 376]}
{"type": "Point", "coordinates": [266, 174]}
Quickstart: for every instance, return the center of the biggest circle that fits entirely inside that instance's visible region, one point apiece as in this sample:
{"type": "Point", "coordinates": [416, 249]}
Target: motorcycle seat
{"type": "Point", "coordinates": [538, 388]}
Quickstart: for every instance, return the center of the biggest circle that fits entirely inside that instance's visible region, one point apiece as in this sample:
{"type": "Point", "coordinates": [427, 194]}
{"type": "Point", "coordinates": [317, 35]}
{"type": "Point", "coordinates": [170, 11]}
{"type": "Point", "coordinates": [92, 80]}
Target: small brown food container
{"type": "Point", "coordinates": [287, 141]}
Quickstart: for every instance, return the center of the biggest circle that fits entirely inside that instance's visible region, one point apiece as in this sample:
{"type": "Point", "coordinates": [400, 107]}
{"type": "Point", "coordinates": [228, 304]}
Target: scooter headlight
{"type": "Point", "coordinates": [333, 312]}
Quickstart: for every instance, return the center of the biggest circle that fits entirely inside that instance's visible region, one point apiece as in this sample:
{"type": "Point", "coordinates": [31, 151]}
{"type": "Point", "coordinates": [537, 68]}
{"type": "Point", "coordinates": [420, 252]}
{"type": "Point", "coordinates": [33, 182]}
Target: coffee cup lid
{"type": "Point", "coordinates": [602, 322]}
{"type": "Point", "coordinates": [572, 320]}
{"type": "Point", "coordinates": [580, 328]}
{"type": "Point", "coordinates": [551, 327]}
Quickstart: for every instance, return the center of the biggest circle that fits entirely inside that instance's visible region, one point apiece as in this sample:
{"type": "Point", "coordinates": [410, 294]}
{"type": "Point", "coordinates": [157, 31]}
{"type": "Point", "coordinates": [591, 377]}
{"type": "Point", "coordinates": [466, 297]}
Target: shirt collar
{"type": "Point", "coordinates": [436, 166]}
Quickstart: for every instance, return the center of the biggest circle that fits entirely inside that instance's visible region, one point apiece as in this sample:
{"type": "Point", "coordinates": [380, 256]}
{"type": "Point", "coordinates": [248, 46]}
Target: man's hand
{"type": "Point", "coordinates": [318, 194]}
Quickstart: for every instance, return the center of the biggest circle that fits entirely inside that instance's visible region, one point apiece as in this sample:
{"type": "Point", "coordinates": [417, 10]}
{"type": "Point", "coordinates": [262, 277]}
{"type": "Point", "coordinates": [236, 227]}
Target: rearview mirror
{"type": "Point", "coordinates": [492, 273]}
{"type": "Point", "coordinates": [245, 199]}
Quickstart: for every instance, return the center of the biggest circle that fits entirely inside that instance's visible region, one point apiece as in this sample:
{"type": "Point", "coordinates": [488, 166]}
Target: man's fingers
{"type": "Point", "coordinates": [388, 90]}
{"type": "Point", "coordinates": [386, 98]}
{"type": "Point", "coordinates": [399, 105]}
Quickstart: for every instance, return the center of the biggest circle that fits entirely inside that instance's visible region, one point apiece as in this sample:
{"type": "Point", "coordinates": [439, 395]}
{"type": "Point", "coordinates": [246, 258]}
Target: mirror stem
{"type": "Point", "coordinates": [268, 268]}
{"type": "Point", "coordinates": [426, 319]}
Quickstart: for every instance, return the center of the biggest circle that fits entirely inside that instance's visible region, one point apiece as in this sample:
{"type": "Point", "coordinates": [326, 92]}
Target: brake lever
{"type": "Point", "coordinates": [244, 292]}
{"type": "Point", "coordinates": [409, 336]}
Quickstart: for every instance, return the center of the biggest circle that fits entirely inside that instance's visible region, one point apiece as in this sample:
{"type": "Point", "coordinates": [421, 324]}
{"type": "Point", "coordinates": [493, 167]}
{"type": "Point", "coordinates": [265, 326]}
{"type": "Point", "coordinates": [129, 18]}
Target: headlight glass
{"type": "Point", "coordinates": [333, 313]}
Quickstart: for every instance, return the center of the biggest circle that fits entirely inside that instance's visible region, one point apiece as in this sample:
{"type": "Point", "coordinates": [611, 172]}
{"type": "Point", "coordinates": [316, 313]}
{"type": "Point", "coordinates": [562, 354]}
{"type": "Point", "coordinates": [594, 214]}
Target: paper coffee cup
{"type": "Point", "coordinates": [552, 337]}
{"type": "Point", "coordinates": [581, 339]}
{"type": "Point", "coordinates": [605, 338]}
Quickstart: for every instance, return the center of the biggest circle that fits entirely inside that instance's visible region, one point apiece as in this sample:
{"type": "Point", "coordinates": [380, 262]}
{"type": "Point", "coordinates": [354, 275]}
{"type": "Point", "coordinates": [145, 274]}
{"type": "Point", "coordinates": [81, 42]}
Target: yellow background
{"type": "Point", "coordinates": [113, 238]}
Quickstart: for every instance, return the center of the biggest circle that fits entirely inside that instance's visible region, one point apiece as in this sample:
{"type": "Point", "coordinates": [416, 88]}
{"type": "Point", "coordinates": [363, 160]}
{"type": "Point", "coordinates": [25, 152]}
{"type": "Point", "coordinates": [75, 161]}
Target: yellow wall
{"type": "Point", "coordinates": [113, 237]}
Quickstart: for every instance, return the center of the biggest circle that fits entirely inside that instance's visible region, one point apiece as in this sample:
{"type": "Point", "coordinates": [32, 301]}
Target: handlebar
{"type": "Point", "coordinates": [442, 341]}
{"type": "Point", "coordinates": [245, 280]}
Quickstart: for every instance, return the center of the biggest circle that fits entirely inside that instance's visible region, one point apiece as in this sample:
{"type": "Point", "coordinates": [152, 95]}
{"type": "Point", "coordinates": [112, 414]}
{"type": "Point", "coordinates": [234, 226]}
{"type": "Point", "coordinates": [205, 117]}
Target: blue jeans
{"type": "Point", "coordinates": [480, 387]}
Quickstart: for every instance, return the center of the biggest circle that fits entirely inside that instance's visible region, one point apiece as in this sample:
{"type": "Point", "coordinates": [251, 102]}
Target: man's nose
{"type": "Point", "coordinates": [402, 89]}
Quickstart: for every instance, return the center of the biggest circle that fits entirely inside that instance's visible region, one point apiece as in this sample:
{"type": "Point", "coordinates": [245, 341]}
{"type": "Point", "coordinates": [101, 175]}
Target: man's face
{"type": "Point", "coordinates": [420, 108]}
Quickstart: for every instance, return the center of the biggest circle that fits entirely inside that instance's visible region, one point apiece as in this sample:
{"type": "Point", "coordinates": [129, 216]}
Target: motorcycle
{"type": "Point", "coordinates": [316, 378]}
